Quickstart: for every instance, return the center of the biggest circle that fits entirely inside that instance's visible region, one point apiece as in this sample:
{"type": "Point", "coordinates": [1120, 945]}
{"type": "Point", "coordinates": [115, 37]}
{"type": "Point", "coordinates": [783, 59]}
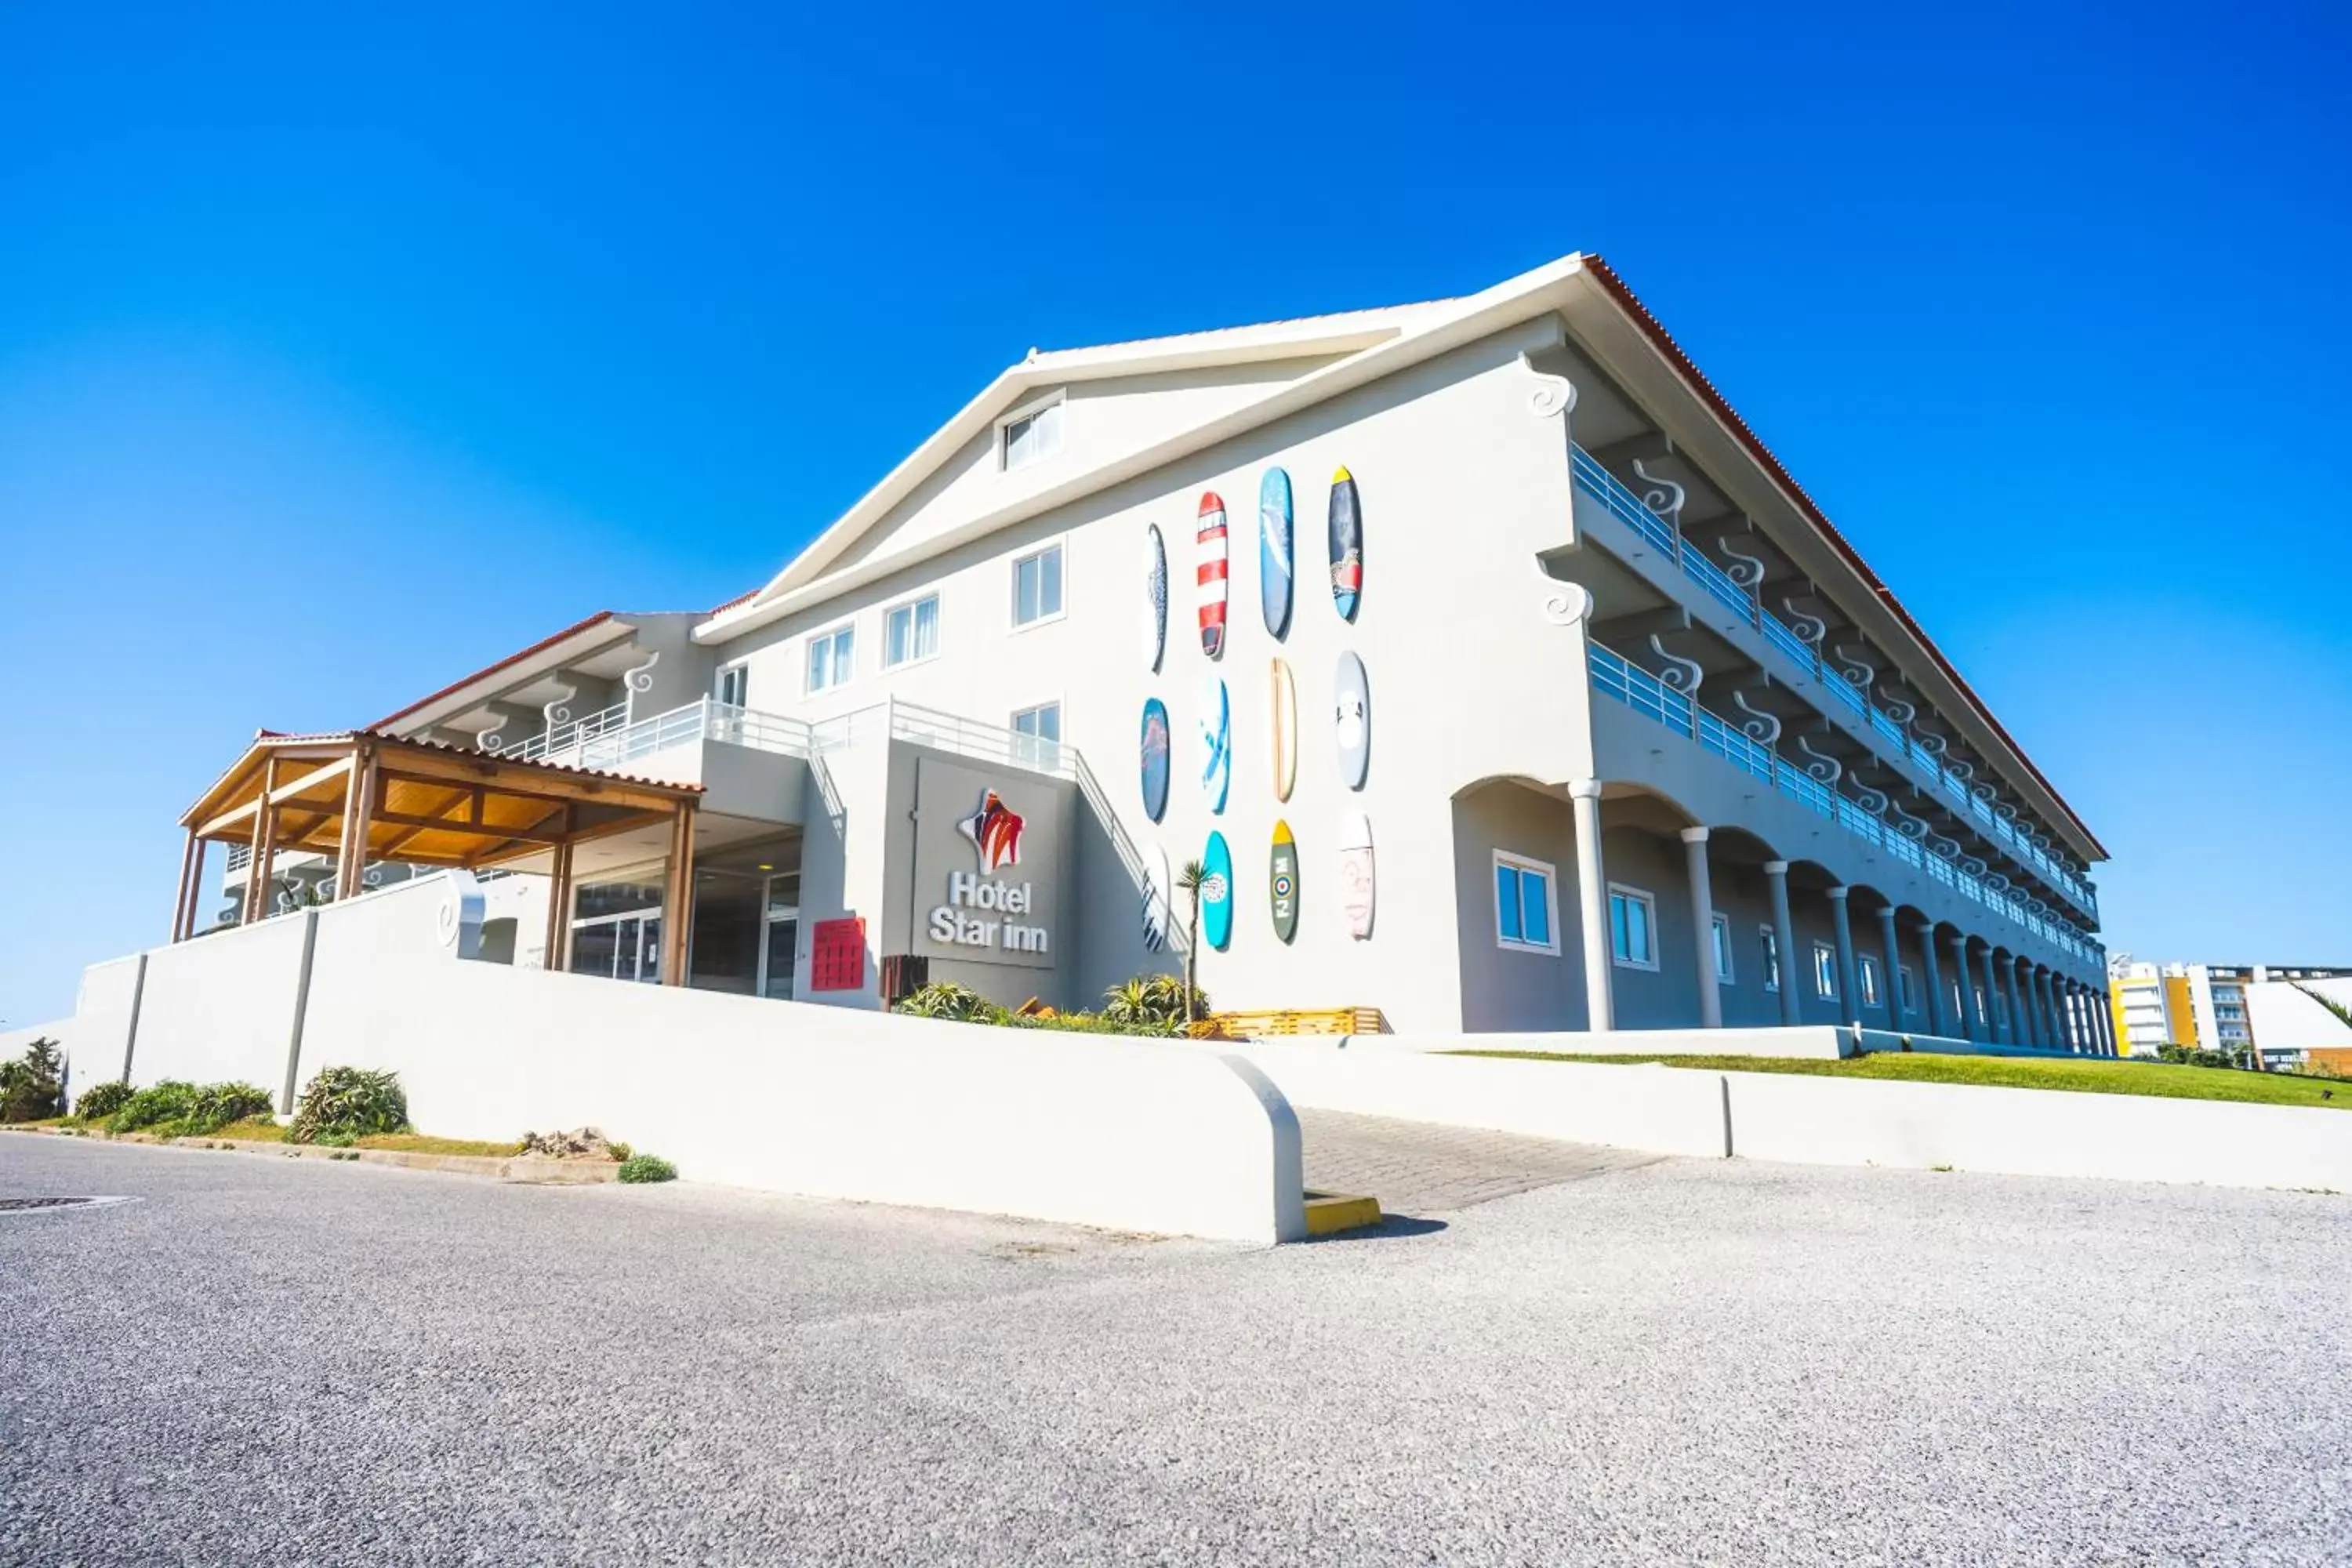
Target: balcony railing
{"type": "Point", "coordinates": [1645, 694]}
{"type": "Point", "coordinates": [1627, 507]}
{"type": "Point", "coordinates": [599, 742]}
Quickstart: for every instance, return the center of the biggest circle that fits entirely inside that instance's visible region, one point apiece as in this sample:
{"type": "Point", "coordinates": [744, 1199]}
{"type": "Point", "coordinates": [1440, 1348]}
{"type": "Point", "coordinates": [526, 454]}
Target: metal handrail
{"type": "Point", "coordinates": [1617, 677]}
{"type": "Point", "coordinates": [1620, 501]}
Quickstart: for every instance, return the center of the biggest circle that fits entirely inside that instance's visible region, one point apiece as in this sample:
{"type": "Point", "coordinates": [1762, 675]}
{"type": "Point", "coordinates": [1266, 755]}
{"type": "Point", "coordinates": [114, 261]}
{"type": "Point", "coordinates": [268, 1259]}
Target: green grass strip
{"type": "Point", "coordinates": [2162, 1080]}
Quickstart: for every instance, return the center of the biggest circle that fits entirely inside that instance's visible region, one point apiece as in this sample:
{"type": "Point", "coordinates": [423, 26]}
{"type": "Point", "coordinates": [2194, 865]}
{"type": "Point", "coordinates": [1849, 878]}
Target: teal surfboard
{"type": "Point", "coordinates": [1274, 533]}
{"type": "Point", "coordinates": [1217, 894]}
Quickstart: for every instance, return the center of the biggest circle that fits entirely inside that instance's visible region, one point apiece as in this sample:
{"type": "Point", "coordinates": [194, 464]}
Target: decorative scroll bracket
{"type": "Point", "coordinates": [1823, 766]}
{"type": "Point", "coordinates": [1683, 674]}
{"type": "Point", "coordinates": [1554, 397]}
{"type": "Point", "coordinates": [1564, 604]}
{"type": "Point", "coordinates": [1745, 571]}
{"type": "Point", "coordinates": [1810, 629]}
{"type": "Point", "coordinates": [1664, 498]}
{"type": "Point", "coordinates": [1758, 725]}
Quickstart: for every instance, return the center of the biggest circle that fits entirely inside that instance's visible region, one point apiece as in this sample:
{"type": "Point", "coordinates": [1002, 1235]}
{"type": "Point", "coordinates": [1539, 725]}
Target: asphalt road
{"type": "Point", "coordinates": [269, 1360]}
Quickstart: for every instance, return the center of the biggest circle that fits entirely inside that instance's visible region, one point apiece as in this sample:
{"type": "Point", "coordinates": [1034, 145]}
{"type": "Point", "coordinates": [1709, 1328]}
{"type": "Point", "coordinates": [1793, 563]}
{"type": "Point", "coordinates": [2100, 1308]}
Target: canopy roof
{"type": "Point", "coordinates": [424, 802]}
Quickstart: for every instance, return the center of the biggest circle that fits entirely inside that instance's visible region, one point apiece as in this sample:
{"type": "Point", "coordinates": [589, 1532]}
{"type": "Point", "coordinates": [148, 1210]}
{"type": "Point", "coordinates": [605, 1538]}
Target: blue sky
{"type": "Point", "coordinates": [344, 351]}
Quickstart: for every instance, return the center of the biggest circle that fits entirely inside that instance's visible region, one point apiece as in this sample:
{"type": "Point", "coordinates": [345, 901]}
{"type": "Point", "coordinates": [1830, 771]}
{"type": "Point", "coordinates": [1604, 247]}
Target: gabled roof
{"type": "Point", "coordinates": [1367, 344]}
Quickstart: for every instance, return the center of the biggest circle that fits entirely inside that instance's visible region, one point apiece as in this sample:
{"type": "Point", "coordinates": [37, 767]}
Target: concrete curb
{"type": "Point", "coordinates": [526, 1169]}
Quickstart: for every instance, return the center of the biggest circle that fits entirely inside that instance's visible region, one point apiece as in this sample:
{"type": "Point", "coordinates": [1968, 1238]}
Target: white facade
{"type": "Point", "coordinates": [1642, 728]}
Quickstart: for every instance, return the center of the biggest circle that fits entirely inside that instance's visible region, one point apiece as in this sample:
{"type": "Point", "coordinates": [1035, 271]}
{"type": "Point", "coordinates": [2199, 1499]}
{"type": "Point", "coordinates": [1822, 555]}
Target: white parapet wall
{"type": "Point", "coordinates": [824, 1101]}
{"type": "Point", "coordinates": [1632, 1106]}
{"type": "Point", "coordinates": [2043, 1132]}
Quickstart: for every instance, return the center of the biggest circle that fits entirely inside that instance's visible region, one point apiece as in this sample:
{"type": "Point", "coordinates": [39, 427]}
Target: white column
{"type": "Point", "coordinates": [1702, 895]}
{"type": "Point", "coordinates": [1972, 1021]}
{"type": "Point", "coordinates": [1849, 986]}
{"type": "Point", "coordinates": [1994, 1031]}
{"type": "Point", "coordinates": [1894, 961]}
{"type": "Point", "coordinates": [1592, 895]}
{"type": "Point", "coordinates": [1784, 934]}
{"type": "Point", "coordinates": [1931, 971]}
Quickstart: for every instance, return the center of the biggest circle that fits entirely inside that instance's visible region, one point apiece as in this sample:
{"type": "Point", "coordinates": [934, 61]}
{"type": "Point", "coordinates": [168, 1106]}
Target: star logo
{"type": "Point", "coordinates": [996, 834]}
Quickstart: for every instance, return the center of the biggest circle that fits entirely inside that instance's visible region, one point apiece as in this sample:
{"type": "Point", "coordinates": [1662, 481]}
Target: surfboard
{"type": "Point", "coordinates": [1211, 574]}
{"type": "Point", "coordinates": [1351, 720]}
{"type": "Point", "coordinates": [1159, 889]}
{"type": "Point", "coordinates": [1283, 722]}
{"type": "Point", "coordinates": [1282, 882]}
{"type": "Point", "coordinates": [1216, 742]}
{"type": "Point", "coordinates": [1274, 549]}
{"type": "Point", "coordinates": [1347, 544]}
{"type": "Point", "coordinates": [1357, 882]}
{"type": "Point", "coordinates": [1155, 758]}
{"type": "Point", "coordinates": [1217, 894]}
{"type": "Point", "coordinates": [1155, 589]}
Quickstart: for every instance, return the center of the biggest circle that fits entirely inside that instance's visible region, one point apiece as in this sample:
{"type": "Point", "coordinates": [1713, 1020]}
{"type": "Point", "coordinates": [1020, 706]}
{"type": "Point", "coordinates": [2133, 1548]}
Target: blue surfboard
{"type": "Point", "coordinates": [1274, 535]}
{"type": "Point", "coordinates": [1216, 742]}
{"type": "Point", "coordinates": [1217, 892]}
{"type": "Point", "coordinates": [1155, 758]}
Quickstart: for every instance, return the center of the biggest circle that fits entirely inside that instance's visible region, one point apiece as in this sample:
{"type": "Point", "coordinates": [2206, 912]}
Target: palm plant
{"type": "Point", "coordinates": [1188, 882]}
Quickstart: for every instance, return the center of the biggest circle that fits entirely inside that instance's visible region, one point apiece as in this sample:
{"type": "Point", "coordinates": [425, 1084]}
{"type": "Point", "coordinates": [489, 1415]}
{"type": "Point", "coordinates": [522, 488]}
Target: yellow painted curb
{"type": "Point", "coordinates": [1328, 1213]}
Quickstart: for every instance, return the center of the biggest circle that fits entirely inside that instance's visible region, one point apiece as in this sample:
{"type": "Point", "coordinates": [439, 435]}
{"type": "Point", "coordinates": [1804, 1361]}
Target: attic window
{"type": "Point", "coordinates": [1030, 435]}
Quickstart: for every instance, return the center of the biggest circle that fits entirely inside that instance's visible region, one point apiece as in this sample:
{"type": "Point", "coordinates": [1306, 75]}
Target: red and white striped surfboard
{"type": "Point", "coordinates": [1212, 575]}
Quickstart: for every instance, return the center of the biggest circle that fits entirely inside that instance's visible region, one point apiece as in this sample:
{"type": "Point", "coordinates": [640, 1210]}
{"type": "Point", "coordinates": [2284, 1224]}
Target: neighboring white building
{"type": "Point", "coordinates": [1641, 737]}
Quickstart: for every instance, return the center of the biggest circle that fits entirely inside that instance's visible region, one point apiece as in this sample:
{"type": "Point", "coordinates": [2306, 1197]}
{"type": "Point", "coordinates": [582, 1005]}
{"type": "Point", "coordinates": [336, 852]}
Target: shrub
{"type": "Point", "coordinates": [100, 1100]}
{"type": "Point", "coordinates": [33, 1088]}
{"type": "Point", "coordinates": [218, 1104]}
{"type": "Point", "coordinates": [1156, 1000]}
{"type": "Point", "coordinates": [170, 1100]}
{"type": "Point", "coordinates": [946, 999]}
{"type": "Point", "coordinates": [351, 1100]}
{"type": "Point", "coordinates": [648, 1168]}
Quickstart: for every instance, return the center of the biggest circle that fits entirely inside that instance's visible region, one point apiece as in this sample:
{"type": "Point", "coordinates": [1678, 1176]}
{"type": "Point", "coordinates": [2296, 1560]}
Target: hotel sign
{"type": "Point", "coordinates": [987, 866]}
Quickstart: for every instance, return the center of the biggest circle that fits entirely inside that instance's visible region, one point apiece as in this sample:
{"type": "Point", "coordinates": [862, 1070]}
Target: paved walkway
{"type": "Point", "coordinates": [265, 1361]}
{"type": "Point", "coordinates": [1416, 1168]}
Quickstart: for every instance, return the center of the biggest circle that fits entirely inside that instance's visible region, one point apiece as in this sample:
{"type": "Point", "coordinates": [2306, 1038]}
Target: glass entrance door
{"type": "Point", "coordinates": [780, 946]}
{"type": "Point", "coordinates": [619, 947]}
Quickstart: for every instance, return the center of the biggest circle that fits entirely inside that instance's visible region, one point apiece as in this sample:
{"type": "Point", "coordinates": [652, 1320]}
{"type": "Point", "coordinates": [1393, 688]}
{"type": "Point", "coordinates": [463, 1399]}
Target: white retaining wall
{"type": "Point", "coordinates": [1817, 1120]}
{"type": "Point", "coordinates": [1634, 1106]}
{"type": "Point", "coordinates": [791, 1098]}
{"type": "Point", "coordinates": [2029, 1132]}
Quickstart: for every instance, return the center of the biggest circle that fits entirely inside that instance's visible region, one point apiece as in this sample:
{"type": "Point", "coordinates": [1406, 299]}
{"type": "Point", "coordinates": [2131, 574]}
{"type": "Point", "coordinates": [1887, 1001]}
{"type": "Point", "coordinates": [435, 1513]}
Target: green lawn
{"type": "Point", "coordinates": [2100, 1077]}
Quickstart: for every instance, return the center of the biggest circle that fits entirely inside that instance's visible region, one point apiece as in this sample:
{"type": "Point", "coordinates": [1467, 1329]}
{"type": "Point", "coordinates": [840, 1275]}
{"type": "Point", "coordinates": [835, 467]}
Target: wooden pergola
{"type": "Point", "coordinates": [362, 797]}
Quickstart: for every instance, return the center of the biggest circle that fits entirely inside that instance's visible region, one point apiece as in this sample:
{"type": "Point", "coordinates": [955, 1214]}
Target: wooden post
{"type": "Point", "coordinates": [360, 794]}
{"type": "Point", "coordinates": [187, 874]}
{"type": "Point", "coordinates": [264, 828]}
{"type": "Point", "coordinates": [678, 901]}
{"type": "Point", "coordinates": [195, 890]}
{"type": "Point", "coordinates": [559, 902]}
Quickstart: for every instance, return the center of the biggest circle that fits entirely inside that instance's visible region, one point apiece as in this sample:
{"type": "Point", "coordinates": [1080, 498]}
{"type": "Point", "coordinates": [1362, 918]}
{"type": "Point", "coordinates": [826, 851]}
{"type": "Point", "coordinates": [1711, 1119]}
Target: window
{"type": "Point", "coordinates": [1869, 983]}
{"type": "Point", "coordinates": [1722, 949]}
{"type": "Point", "coordinates": [1037, 587]}
{"type": "Point", "coordinates": [1907, 988]}
{"type": "Point", "coordinates": [1824, 970]}
{"type": "Point", "coordinates": [1632, 927]}
{"type": "Point", "coordinates": [1524, 911]}
{"type": "Point", "coordinates": [1030, 435]}
{"type": "Point", "coordinates": [734, 687]}
{"type": "Point", "coordinates": [1771, 959]}
{"type": "Point", "coordinates": [830, 658]}
{"type": "Point", "coordinates": [910, 633]}
{"type": "Point", "coordinates": [1038, 733]}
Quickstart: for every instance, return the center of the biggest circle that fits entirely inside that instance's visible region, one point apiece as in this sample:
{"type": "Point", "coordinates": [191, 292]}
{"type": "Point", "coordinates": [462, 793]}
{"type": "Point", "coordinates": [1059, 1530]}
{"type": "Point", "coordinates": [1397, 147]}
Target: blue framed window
{"type": "Point", "coordinates": [1526, 915]}
{"type": "Point", "coordinates": [1632, 927]}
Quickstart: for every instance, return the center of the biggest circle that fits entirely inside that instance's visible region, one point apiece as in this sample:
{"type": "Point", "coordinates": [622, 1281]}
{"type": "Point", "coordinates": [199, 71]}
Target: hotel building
{"type": "Point", "coordinates": [1595, 719]}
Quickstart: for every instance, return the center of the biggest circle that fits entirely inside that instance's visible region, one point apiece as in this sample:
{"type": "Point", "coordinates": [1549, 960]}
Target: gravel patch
{"type": "Point", "coordinates": [268, 1361]}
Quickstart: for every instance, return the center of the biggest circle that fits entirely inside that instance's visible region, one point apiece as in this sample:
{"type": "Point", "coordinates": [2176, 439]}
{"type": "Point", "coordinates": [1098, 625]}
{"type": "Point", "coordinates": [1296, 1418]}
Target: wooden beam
{"type": "Point", "coordinates": [508, 777]}
{"type": "Point", "coordinates": [458, 797]}
{"type": "Point", "coordinates": [527, 835]}
{"type": "Point", "coordinates": [558, 954]}
{"type": "Point", "coordinates": [514, 849]}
